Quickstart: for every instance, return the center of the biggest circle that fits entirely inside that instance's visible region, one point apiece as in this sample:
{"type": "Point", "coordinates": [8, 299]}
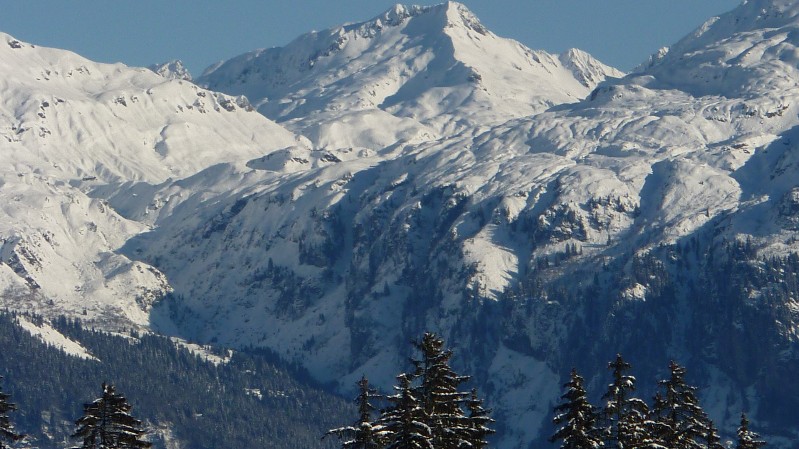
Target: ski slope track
{"type": "Point", "coordinates": [416, 172]}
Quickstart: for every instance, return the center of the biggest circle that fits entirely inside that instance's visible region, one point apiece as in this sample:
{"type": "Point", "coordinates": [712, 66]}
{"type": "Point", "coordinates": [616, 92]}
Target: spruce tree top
{"type": "Point", "coordinates": [624, 416]}
{"type": "Point", "coordinates": [106, 423]}
{"type": "Point", "coordinates": [576, 417]}
{"type": "Point", "coordinates": [402, 425]}
{"type": "Point", "coordinates": [679, 421]}
{"type": "Point", "coordinates": [746, 438]}
{"type": "Point", "coordinates": [441, 399]}
{"type": "Point", "coordinates": [439, 382]}
{"type": "Point", "coordinates": [362, 434]}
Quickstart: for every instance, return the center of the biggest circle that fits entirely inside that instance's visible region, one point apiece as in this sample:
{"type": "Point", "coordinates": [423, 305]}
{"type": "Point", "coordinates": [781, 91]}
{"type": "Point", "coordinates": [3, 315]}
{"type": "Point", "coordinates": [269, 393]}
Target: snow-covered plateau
{"type": "Point", "coordinates": [416, 172]}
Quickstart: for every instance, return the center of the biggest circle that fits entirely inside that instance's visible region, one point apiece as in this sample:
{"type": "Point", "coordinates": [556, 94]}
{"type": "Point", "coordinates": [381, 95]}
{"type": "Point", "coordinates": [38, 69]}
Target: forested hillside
{"type": "Point", "coordinates": [250, 400]}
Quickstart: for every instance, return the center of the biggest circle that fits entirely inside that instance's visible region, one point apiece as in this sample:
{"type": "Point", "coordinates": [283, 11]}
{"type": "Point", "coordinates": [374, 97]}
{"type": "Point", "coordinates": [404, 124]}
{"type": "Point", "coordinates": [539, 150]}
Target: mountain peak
{"type": "Point", "coordinates": [459, 13]}
{"type": "Point", "coordinates": [172, 70]}
{"type": "Point", "coordinates": [398, 13]}
{"type": "Point", "coordinates": [735, 54]}
{"type": "Point", "coordinates": [452, 13]}
{"type": "Point", "coordinates": [412, 71]}
{"type": "Point", "coordinates": [13, 43]}
{"type": "Point", "coordinates": [586, 69]}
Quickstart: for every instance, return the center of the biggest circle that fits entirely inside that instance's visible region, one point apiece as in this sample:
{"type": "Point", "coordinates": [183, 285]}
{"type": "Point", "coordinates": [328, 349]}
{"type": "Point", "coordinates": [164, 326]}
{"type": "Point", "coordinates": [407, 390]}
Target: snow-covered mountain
{"type": "Point", "coordinates": [749, 52]}
{"type": "Point", "coordinates": [69, 126]}
{"type": "Point", "coordinates": [173, 70]}
{"type": "Point", "coordinates": [411, 74]}
{"type": "Point", "coordinates": [656, 217]}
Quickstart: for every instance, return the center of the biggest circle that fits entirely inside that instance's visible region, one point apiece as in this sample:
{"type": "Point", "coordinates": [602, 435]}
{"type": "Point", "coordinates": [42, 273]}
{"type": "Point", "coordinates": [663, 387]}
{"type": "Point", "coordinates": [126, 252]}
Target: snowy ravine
{"type": "Point", "coordinates": [656, 215]}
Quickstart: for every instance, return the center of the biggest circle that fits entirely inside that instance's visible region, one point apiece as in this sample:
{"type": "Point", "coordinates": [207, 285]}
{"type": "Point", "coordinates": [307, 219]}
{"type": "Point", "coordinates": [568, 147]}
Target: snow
{"type": "Point", "coordinates": [76, 134]}
{"type": "Point", "coordinates": [529, 392]}
{"type": "Point", "coordinates": [254, 392]}
{"type": "Point", "coordinates": [412, 76]}
{"type": "Point", "coordinates": [172, 70]}
{"type": "Point", "coordinates": [497, 263]}
{"type": "Point", "coordinates": [134, 124]}
{"type": "Point", "coordinates": [203, 351]}
{"type": "Point", "coordinates": [52, 337]}
{"type": "Point", "coordinates": [645, 159]}
{"type": "Point", "coordinates": [414, 145]}
{"type": "Point", "coordinates": [636, 292]}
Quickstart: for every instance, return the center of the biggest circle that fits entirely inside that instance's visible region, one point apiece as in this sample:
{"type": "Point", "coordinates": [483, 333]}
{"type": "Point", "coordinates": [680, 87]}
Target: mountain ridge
{"type": "Point", "coordinates": [426, 71]}
{"type": "Point", "coordinates": [748, 51]}
{"type": "Point", "coordinates": [70, 128]}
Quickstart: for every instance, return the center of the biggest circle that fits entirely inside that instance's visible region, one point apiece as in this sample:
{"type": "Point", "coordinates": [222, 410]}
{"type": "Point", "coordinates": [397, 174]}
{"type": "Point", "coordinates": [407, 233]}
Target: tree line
{"type": "Point", "coordinates": [251, 400]}
{"type": "Point", "coordinates": [428, 410]}
{"type": "Point", "coordinates": [675, 420]}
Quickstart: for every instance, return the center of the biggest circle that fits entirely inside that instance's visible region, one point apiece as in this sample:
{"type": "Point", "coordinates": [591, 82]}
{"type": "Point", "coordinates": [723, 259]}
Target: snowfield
{"type": "Point", "coordinates": [411, 74]}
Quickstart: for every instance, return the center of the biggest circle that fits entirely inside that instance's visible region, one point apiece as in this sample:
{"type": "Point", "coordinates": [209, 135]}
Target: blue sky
{"type": "Point", "coordinates": [621, 33]}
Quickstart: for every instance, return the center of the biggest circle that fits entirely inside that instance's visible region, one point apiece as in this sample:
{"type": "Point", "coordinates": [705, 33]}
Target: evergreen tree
{"type": "Point", "coordinates": [479, 422]}
{"type": "Point", "coordinates": [439, 395]}
{"type": "Point", "coordinates": [746, 438]}
{"type": "Point", "coordinates": [402, 425]}
{"type": "Point", "coordinates": [678, 422]}
{"type": "Point", "coordinates": [576, 418]}
{"type": "Point", "coordinates": [624, 416]}
{"type": "Point", "coordinates": [712, 439]}
{"type": "Point", "coordinates": [107, 424]}
{"type": "Point", "coordinates": [427, 410]}
{"type": "Point", "coordinates": [6, 427]}
{"type": "Point", "coordinates": [362, 434]}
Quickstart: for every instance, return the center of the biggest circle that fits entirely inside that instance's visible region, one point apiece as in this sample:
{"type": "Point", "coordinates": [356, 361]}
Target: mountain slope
{"type": "Point", "coordinates": [185, 400]}
{"type": "Point", "coordinates": [70, 127]}
{"type": "Point", "coordinates": [656, 218]}
{"type": "Point", "coordinates": [117, 123]}
{"type": "Point", "coordinates": [748, 52]}
{"type": "Point", "coordinates": [412, 74]}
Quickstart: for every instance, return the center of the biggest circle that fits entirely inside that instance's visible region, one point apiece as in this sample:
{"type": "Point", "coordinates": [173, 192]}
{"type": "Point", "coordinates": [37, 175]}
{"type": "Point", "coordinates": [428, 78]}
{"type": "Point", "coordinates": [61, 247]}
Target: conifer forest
{"type": "Point", "coordinates": [430, 407]}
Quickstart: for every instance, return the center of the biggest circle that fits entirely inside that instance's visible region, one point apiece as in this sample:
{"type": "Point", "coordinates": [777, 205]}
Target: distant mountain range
{"type": "Point", "coordinates": [416, 172]}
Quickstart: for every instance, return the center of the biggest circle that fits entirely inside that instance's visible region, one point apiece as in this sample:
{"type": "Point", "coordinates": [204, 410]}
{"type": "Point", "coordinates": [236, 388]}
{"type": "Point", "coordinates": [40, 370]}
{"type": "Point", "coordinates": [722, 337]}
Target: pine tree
{"type": "Point", "coordinates": [439, 395]}
{"type": "Point", "coordinates": [479, 422]}
{"type": "Point", "coordinates": [362, 434]}
{"type": "Point", "coordinates": [576, 418]}
{"type": "Point", "coordinates": [746, 438]}
{"type": "Point", "coordinates": [677, 420]}
{"type": "Point", "coordinates": [402, 426]}
{"type": "Point", "coordinates": [712, 439]}
{"type": "Point", "coordinates": [624, 416]}
{"type": "Point", "coordinates": [6, 427]}
{"type": "Point", "coordinates": [107, 424]}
